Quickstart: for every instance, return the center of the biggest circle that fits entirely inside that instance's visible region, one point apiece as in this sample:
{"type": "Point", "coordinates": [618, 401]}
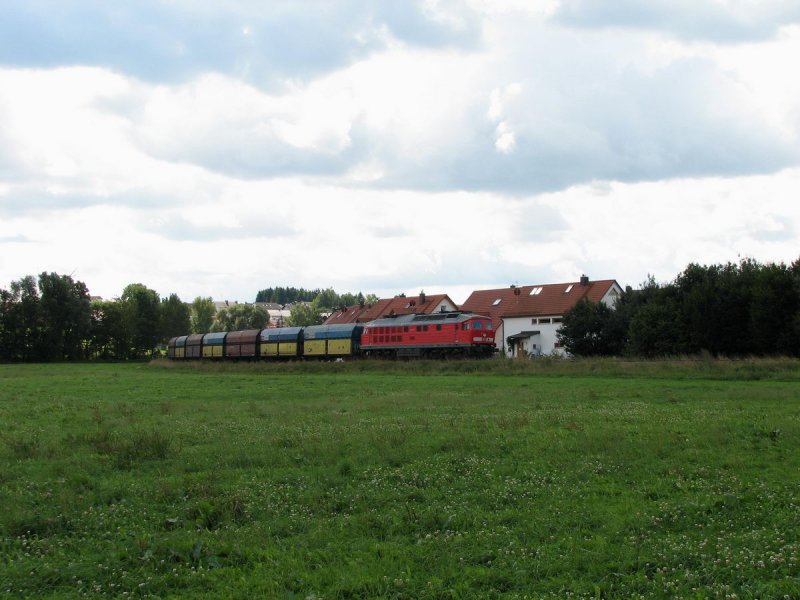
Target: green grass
{"type": "Point", "coordinates": [467, 479]}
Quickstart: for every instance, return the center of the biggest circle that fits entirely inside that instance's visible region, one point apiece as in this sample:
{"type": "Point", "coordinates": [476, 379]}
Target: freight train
{"type": "Point", "coordinates": [439, 335]}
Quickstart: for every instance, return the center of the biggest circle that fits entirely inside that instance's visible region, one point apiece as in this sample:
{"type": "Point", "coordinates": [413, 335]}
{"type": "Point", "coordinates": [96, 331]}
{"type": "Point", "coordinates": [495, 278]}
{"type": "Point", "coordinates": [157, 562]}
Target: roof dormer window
{"type": "Point", "coordinates": [569, 289]}
{"type": "Point", "coordinates": [496, 302]}
{"type": "Point", "coordinates": [536, 291]}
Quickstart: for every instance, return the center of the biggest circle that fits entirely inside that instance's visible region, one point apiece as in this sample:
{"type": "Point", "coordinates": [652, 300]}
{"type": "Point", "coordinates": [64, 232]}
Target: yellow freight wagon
{"type": "Point", "coordinates": [214, 344]}
{"type": "Point", "coordinates": [332, 341]}
{"type": "Point", "coordinates": [281, 342]}
{"type": "Point", "coordinates": [176, 347]}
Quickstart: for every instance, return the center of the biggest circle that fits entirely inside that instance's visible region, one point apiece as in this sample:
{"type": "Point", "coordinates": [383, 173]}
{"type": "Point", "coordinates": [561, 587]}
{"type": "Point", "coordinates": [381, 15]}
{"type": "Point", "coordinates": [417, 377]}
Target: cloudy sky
{"type": "Point", "coordinates": [217, 148]}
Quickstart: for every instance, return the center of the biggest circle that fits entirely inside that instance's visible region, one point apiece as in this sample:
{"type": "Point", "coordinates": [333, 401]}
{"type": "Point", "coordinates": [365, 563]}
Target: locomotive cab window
{"type": "Point", "coordinates": [438, 328]}
{"type": "Point", "coordinates": [465, 326]}
{"type": "Point", "coordinates": [477, 325]}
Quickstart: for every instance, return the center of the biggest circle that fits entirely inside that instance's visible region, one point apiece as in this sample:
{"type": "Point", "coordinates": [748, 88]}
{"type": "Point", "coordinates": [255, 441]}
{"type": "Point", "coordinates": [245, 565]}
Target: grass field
{"type": "Point", "coordinates": [408, 480]}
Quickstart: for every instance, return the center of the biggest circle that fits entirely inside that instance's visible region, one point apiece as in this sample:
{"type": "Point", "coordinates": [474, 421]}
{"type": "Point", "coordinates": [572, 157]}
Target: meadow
{"type": "Point", "coordinates": [493, 479]}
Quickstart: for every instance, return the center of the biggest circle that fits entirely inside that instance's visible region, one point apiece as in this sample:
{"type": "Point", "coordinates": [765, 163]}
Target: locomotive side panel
{"type": "Point", "coordinates": [429, 335]}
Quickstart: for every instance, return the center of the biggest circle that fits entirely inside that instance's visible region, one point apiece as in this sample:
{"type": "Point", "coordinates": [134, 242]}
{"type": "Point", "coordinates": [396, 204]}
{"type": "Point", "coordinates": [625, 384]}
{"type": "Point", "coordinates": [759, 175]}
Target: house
{"type": "Point", "coordinates": [223, 304]}
{"type": "Point", "coordinates": [399, 305]}
{"type": "Point", "coordinates": [527, 318]}
{"type": "Point", "coordinates": [278, 313]}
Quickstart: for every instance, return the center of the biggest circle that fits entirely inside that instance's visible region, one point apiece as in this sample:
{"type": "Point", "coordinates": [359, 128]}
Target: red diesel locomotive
{"type": "Point", "coordinates": [421, 336]}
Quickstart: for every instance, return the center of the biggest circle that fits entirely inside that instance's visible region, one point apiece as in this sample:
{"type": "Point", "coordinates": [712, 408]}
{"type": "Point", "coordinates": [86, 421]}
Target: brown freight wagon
{"type": "Point", "coordinates": [242, 344]}
{"type": "Point", "coordinates": [194, 346]}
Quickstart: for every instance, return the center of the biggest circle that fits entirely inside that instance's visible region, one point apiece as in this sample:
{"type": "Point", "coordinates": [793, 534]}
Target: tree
{"type": "Point", "coordinates": [142, 313]}
{"type": "Point", "coordinates": [713, 304]}
{"type": "Point", "coordinates": [110, 330]}
{"type": "Point", "coordinates": [66, 317]}
{"type": "Point", "coordinates": [175, 318]}
{"type": "Point", "coordinates": [302, 314]}
{"type": "Point", "coordinates": [774, 306]}
{"type": "Point", "coordinates": [591, 329]}
{"type": "Point", "coordinates": [327, 299]}
{"type": "Point", "coordinates": [239, 317]}
{"type": "Point", "coordinates": [202, 314]}
{"type": "Point", "coordinates": [656, 328]}
{"type": "Point", "coordinates": [21, 320]}
{"type": "Point", "coordinates": [281, 295]}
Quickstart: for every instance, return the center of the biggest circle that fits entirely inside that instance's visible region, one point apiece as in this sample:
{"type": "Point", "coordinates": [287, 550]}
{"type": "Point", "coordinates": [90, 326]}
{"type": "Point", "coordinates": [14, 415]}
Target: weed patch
{"type": "Point", "coordinates": [126, 449]}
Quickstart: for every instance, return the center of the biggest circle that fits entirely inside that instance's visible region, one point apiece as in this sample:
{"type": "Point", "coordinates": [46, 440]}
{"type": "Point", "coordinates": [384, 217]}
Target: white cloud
{"type": "Point", "coordinates": [726, 21]}
{"type": "Point", "coordinates": [542, 152]}
{"type": "Point", "coordinates": [505, 140]}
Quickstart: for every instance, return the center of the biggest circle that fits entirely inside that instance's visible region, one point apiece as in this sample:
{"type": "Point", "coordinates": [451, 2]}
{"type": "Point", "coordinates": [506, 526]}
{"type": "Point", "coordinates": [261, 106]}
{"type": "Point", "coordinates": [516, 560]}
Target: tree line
{"type": "Point", "coordinates": [729, 309]}
{"type": "Point", "coordinates": [53, 318]}
{"type": "Point", "coordinates": [325, 299]}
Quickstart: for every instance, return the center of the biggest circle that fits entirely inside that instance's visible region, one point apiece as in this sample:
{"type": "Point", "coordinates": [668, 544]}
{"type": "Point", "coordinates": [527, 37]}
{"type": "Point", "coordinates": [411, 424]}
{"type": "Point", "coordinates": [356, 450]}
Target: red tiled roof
{"type": "Point", "coordinates": [400, 306]}
{"type": "Point", "coordinates": [553, 299]}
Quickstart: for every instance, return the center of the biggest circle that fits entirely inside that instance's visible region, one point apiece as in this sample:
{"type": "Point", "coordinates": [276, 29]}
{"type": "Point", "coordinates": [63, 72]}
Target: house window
{"type": "Point", "coordinates": [569, 289]}
{"type": "Point", "coordinates": [556, 319]}
{"type": "Point", "coordinates": [536, 291]}
{"type": "Point", "coordinates": [496, 302]}
{"type": "Point", "coordinates": [545, 320]}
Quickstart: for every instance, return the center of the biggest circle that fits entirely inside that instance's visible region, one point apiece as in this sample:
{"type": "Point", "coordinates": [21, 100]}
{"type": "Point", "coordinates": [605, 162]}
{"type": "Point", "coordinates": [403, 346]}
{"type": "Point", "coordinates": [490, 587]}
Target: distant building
{"type": "Point", "coordinates": [527, 318]}
{"type": "Point", "coordinates": [220, 304]}
{"type": "Point", "coordinates": [278, 313]}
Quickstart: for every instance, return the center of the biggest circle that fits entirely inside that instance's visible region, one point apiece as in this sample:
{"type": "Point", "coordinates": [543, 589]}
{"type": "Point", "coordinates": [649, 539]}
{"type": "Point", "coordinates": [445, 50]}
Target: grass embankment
{"type": "Point", "coordinates": [406, 480]}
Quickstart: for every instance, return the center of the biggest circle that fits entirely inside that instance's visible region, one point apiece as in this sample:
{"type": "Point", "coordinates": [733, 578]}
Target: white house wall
{"type": "Point", "coordinates": [445, 305]}
{"type": "Point", "coordinates": [611, 296]}
{"type": "Point", "coordinates": [500, 339]}
{"type": "Point", "coordinates": [545, 342]}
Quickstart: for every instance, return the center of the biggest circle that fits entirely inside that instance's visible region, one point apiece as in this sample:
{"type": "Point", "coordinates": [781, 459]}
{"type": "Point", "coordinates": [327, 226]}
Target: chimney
{"type": "Point", "coordinates": [584, 280]}
{"type": "Point", "coordinates": [422, 297]}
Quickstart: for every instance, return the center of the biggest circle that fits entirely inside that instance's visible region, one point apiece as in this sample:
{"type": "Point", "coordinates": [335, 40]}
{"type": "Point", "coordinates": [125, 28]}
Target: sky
{"type": "Point", "coordinates": [219, 148]}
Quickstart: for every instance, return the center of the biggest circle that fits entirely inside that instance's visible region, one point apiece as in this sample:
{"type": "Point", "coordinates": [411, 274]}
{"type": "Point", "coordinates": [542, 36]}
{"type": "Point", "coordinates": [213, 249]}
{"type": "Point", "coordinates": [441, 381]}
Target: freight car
{"type": "Point", "coordinates": [406, 336]}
